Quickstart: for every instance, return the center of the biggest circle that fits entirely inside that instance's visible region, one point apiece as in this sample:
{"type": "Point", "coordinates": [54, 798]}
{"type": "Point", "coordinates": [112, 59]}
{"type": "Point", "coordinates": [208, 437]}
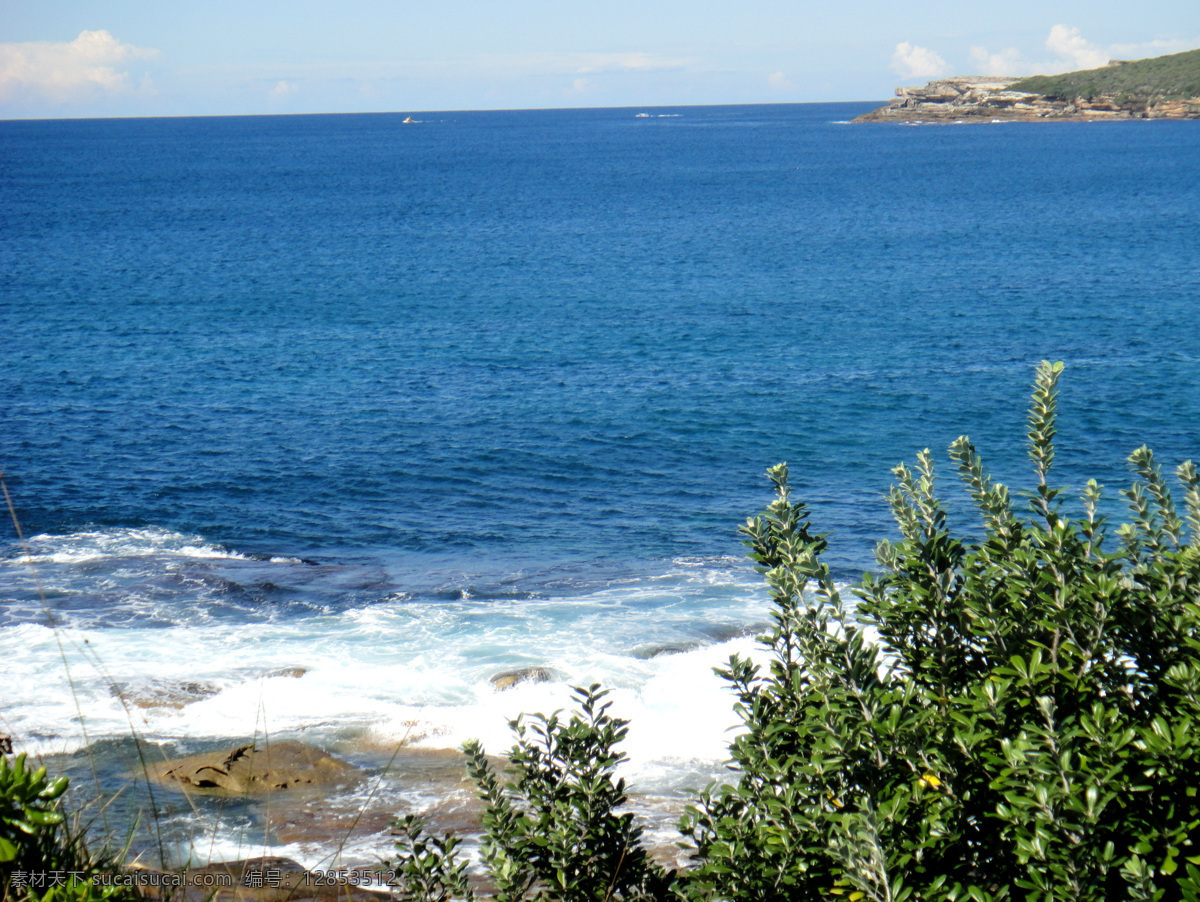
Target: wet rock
{"type": "Point", "coordinates": [723, 632]}
{"type": "Point", "coordinates": [433, 782]}
{"type": "Point", "coordinates": [711, 633]}
{"type": "Point", "coordinates": [164, 693]}
{"type": "Point", "coordinates": [661, 649]}
{"type": "Point", "coordinates": [294, 672]}
{"type": "Point", "coordinates": [351, 741]}
{"type": "Point", "coordinates": [259, 673]}
{"type": "Point", "coordinates": [509, 678]}
{"type": "Point", "coordinates": [254, 769]}
{"type": "Point", "coordinates": [178, 694]}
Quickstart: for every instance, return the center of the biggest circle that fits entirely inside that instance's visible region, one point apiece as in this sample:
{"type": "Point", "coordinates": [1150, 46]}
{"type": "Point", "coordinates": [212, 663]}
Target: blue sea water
{"type": "Point", "coordinates": [410, 404]}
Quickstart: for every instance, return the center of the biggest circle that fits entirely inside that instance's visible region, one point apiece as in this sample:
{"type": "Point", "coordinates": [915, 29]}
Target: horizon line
{"type": "Point", "coordinates": [430, 112]}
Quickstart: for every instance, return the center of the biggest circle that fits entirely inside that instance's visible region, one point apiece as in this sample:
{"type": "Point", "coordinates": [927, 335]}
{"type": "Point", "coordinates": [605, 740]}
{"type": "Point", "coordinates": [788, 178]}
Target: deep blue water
{"type": "Point", "coordinates": [398, 406]}
{"type": "Point", "coordinates": [563, 334]}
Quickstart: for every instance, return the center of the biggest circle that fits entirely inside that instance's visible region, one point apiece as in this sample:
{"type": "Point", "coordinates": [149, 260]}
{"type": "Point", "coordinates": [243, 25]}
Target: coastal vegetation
{"type": "Point", "coordinates": [552, 830]}
{"type": "Point", "coordinates": [44, 858]}
{"type": "Point", "coordinates": [1013, 717]}
{"type": "Point", "coordinates": [1010, 716]}
{"type": "Point", "coordinates": [1165, 87]}
{"type": "Point", "coordinates": [1024, 726]}
{"type": "Point", "coordinates": [1173, 77]}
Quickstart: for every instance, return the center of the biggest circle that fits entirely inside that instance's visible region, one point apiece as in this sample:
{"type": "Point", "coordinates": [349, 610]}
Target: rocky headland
{"type": "Point", "coordinates": [1161, 88]}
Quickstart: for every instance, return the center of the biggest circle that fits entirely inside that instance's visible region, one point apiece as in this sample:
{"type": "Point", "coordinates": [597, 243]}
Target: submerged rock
{"type": "Point", "coordinates": [723, 632]}
{"type": "Point", "coordinates": [661, 649]}
{"type": "Point", "coordinates": [509, 678]}
{"type": "Point", "coordinates": [251, 770]}
{"type": "Point", "coordinates": [179, 693]}
{"type": "Point", "coordinates": [432, 782]}
{"type": "Point", "coordinates": [712, 633]}
{"type": "Point", "coordinates": [293, 672]}
{"type": "Point", "coordinates": [164, 693]}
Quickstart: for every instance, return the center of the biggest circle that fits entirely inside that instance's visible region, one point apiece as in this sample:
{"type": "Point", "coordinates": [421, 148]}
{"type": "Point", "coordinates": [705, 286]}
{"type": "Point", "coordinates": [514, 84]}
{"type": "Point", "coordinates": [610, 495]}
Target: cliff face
{"type": "Point", "coordinates": [987, 99]}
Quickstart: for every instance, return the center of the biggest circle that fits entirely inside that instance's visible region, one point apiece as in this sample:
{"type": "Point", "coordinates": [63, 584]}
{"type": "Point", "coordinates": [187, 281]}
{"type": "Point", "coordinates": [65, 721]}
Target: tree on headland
{"type": "Point", "coordinates": [1173, 77]}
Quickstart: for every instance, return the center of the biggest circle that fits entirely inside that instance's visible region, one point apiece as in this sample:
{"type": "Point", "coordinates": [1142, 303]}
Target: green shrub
{"type": "Point", "coordinates": [552, 832]}
{"type": "Point", "coordinates": [1014, 717]}
{"type": "Point", "coordinates": [427, 868]}
{"type": "Point", "coordinates": [41, 858]}
{"type": "Point", "coordinates": [1026, 725]}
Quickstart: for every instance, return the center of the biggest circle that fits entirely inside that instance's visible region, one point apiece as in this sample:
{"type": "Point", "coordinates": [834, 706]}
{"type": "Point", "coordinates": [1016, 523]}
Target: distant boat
{"type": "Point", "coordinates": [409, 120]}
{"type": "Point", "coordinates": [642, 116]}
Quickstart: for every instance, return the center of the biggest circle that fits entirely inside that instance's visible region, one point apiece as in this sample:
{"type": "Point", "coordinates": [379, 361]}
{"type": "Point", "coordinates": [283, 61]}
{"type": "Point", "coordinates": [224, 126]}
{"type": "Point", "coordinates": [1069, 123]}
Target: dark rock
{"type": "Point", "coordinates": [432, 782]}
{"type": "Point", "coordinates": [712, 633]}
{"type": "Point", "coordinates": [646, 652]}
{"type": "Point", "coordinates": [295, 672]}
{"type": "Point", "coordinates": [723, 632]}
{"type": "Point", "coordinates": [252, 770]}
{"type": "Point", "coordinates": [164, 693]}
{"type": "Point", "coordinates": [509, 678]}
{"type": "Point", "coordinates": [180, 693]}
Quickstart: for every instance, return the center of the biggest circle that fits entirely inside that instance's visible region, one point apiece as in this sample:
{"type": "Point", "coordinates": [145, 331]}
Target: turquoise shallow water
{"type": "Point", "coordinates": [496, 389]}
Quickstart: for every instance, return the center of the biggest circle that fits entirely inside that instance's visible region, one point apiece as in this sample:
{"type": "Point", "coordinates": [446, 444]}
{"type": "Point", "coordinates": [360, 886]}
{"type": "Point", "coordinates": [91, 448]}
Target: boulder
{"type": "Point", "coordinates": [255, 769]}
{"type": "Point", "coordinates": [164, 693]}
{"type": "Point", "coordinates": [179, 693]}
{"type": "Point", "coordinates": [711, 632]}
{"type": "Point", "coordinates": [658, 650]}
{"type": "Point", "coordinates": [509, 678]}
{"type": "Point", "coordinates": [293, 672]}
{"type": "Point", "coordinates": [723, 632]}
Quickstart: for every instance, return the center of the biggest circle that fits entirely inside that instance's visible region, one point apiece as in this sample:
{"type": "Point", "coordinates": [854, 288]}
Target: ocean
{"type": "Point", "coordinates": [316, 424]}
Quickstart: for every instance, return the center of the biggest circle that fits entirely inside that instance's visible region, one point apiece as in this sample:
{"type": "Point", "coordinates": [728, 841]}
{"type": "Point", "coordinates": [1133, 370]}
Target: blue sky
{"type": "Point", "coordinates": [70, 58]}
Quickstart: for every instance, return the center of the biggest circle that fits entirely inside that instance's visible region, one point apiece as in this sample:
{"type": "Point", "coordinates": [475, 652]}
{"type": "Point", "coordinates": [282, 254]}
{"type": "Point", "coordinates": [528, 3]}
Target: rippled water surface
{"type": "Point", "coordinates": [397, 407]}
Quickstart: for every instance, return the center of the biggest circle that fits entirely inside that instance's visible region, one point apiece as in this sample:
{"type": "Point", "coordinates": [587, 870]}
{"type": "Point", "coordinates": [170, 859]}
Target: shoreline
{"type": "Point", "coordinates": [343, 824]}
{"type": "Point", "coordinates": [964, 99]}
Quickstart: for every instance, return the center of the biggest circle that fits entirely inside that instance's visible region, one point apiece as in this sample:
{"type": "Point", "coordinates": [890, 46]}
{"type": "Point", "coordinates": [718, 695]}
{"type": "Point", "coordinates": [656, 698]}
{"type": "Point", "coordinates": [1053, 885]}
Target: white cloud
{"type": "Point", "coordinates": [62, 71]}
{"type": "Point", "coordinates": [1069, 44]}
{"type": "Point", "coordinates": [777, 81]}
{"type": "Point", "coordinates": [1151, 48]}
{"type": "Point", "coordinates": [1006, 62]}
{"type": "Point", "coordinates": [911, 61]}
{"type": "Point", "coordinates": [1072, 52]}
{"type": "Point", "coordinates": [594, 63]}
{"type": "Point", "coordinates": [283, 89]}
{"type": "Point", "coordinates": [582, 86]}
